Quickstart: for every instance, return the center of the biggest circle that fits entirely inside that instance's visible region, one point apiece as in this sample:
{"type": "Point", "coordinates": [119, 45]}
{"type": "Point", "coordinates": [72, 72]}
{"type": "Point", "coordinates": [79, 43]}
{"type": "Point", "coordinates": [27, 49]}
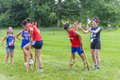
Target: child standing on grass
{"type": "Point", "coordinates": [10, 39]}
{"type": "Point", "coordinates": [36, 42]}
{"type": "Point", "coordinates": [25, 40]}
{"type": "Point", "coordinates": [76, 45]}
{"type": "Point", "coordinates": [95, 41]}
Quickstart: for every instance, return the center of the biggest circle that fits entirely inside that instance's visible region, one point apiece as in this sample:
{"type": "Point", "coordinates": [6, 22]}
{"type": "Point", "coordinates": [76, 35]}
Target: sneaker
{"type": "Point", "coordinates": [95, 67]}
{"type": "Point", "coordinates": [40, 70]}
{"type": "Point", "coordinates": [71, 64]}
{"type": "Point", "coordinates": [85, 65]}
{"type": "Point", "coordinates": [31, 62]}
{"type": "Point", "coordinates": [98, 67]}
{"type": "Point", "coordinates": [25, 64]}
{"type": "Point", "coordinates": [74, 61]}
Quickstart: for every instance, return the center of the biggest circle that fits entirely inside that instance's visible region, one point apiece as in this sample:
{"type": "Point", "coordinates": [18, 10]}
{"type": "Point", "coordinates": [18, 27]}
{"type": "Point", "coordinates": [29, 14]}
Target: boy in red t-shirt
{"type": "Point", "coordinates": [76, 45]}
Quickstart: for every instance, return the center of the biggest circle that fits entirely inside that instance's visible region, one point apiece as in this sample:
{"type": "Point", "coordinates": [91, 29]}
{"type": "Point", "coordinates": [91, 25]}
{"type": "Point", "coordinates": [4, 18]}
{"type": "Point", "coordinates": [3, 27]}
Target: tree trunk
{"type": "Point", "coordinates": [59, 14]}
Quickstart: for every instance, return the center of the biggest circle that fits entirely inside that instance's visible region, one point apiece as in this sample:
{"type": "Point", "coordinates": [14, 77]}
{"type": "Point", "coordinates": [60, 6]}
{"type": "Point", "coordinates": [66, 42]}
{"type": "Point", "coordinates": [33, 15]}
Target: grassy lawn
{"type": "Point", "coordinates": [56, 53]}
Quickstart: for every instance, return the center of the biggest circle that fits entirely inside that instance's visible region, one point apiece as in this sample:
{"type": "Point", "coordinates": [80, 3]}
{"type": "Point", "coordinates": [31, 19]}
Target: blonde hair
{"type": "Point", "coordinates": [10, 29]}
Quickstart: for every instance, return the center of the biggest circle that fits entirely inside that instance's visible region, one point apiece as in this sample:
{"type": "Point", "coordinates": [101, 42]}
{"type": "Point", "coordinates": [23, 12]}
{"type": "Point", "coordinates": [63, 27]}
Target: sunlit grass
{"type": "Point", "coordinates": [55, 54]}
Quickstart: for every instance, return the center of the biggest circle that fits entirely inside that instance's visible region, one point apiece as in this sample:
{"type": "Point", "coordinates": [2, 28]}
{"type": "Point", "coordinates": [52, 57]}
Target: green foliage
{"type": "Point", "coordinates": [14, 15]}
{"type": "Point", "coordinates": [18, 13]}
{"type": "Point", "coordinates": [47, 13]}
{"type": "Point", "coordinates": [4, 19]}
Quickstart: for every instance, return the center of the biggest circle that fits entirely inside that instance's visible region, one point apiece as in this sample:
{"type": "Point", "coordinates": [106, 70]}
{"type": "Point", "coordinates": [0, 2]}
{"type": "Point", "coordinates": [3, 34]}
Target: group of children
{"type": "Point", "coordinates": [76, 41]}
{"type": "Point", "coordinates": [31, 38]}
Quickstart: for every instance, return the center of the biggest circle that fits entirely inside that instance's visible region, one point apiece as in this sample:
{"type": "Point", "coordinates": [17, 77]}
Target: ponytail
{"type": "Point", "coordinates": [26, 21]}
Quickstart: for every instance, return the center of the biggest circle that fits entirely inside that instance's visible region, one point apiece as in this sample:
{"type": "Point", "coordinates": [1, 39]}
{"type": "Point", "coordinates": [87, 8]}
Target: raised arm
{"type": "Point", "coordinates": [96, 31]}
{"type": "Point", "coordinates": [17, 36]}
{"type": "Point", "coordinates": [76, 25]}
{"type": "Point", "coordinates": [84, 31]}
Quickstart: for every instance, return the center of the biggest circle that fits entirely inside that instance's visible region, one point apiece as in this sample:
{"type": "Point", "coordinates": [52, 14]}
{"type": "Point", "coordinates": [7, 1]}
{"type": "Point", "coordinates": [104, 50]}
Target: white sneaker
{"type": "Point", "coordinates": [25, 64]}
{"type": "Point", "coordinates": [31, 61]}
{"type": "Point", "coordinates": [73, 62]}
{"type": "Point", "coordinates": [40, 70]}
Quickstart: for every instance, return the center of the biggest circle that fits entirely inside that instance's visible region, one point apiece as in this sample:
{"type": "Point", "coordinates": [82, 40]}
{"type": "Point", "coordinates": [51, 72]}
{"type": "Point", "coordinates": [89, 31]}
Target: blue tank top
{"type": "Point", "coordinates": [95, 36]}
{"type": "Point", "coordinates": [10, 40]}
{"type": "Point", "coordinates": [25, 35]}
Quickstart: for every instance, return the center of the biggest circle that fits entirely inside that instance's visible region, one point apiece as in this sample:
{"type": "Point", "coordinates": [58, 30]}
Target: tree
{"type": "Point", "coordinates": [52, 12]}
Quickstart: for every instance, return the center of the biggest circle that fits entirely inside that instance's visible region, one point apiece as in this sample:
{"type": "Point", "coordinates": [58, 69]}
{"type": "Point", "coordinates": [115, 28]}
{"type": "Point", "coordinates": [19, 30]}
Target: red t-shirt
{"type": "Point", "coordinates": [74, 39]}
{"type": "Point", "coordinates": [36, 33]}
{"type": "Point", "coordinates": [29, 25]}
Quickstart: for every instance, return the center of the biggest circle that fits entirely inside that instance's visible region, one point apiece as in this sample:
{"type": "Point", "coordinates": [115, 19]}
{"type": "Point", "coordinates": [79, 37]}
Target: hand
{"type": "Point", "coordinates": [87, 27]}
{"type": "Point", "coordinates": [11, 44]}
{"type": "Point", "coordinates": [5, 46]}
{"type": "Point", "coordinates": [88, 21]}
{"type": "Point", "coordinates": [81, 43]}
{"type": "Point", "coordinates": [76, 23]}
{"type": "Point", "coordinates": [80, 26]}
{"type": "Point", "coordinates": [31, 40]}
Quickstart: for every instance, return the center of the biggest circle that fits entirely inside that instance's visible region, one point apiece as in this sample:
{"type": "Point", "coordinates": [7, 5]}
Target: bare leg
{"type": "Point", "coordinates": [35, 62]}
{"type": "Point", "coordinates": [72, 60]}
{"type": "Point", "coordinates": [7, 56]}
{"type": "Point", "coordinates": [98, 57]}
{"type": "Point", "coordinates": [26, 50]}
{"type": "Point", "coordinates": [84, 60]}
{"type": "Point", "coordinates": [27, 53]}
{"type": "Point", "coordinates": [25, 60]}
{"type": "Point", "coordinates": [11, 57]}
{"type": "Point", "coordinates": [31, 56]}
{"type": "Point", "coordinates": [73, 56]}
{"type": "Point", "coordinates": [38, 55]}
{"type": "Point", "coordinates": [83, 57]}
{"type": "Point", "coordinates": [93, 56]}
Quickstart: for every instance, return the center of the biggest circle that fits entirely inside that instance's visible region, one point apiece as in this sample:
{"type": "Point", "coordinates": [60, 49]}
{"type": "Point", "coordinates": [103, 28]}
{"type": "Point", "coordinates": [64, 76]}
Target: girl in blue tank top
{"type": "Point", "coordinates": [10, 39]}
{"type": "Point", "coordinates": [25, 38]}
{"type": "Point", "coordinates": [24, 41]}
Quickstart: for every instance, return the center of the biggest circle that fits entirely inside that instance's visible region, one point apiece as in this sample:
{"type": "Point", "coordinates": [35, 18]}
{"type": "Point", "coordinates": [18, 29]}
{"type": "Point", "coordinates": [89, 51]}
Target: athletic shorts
{"type": "Point", "coordinates": [37, 44]}
{"type": "Point", "coordinates": [79, 50]}
{"type": "Point", "coordinates": [96, 44]}
{"type": "Point", "coordinates": [24, 42]}
{"type": "Point", "coordinates": [9, 49]}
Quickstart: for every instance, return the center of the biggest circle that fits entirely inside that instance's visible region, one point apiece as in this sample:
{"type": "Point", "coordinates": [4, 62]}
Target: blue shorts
{"type": "Point", "coordinates": [79, 50]}
{"type": "Point", "coordinates": [9, 49]}
{"type": "Point", "coordinates": [24, 42]}
{"type": "Point", "coordinates": [37, 44]}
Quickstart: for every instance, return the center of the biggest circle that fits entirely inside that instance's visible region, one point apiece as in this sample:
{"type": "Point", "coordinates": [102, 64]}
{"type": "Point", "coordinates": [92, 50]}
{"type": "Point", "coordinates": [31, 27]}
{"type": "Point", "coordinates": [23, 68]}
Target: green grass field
{"type": "Point", "coordinates": [56, 53]}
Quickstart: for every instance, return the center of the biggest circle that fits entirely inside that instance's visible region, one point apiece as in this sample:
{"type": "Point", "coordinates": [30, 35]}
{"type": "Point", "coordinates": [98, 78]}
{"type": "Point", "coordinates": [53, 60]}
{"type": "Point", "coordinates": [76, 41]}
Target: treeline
{"type": "Point", "coordinates": [53, 12]}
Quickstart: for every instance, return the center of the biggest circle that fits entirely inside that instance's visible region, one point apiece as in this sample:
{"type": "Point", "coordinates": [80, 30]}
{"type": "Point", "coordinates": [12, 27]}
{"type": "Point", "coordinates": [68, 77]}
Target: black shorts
{"type": "Point", "coordinates": [96, 44]}
{"type": "Point", "coordinates": [37, 44]}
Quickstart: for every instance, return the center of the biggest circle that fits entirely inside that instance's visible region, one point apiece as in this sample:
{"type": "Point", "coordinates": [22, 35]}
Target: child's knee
{"type": "Point", "coordinates": [11, 55]}
{"type": "Point", "coordinates": [7, 55]}
{"type": "Point", "coordinates": [37, 56]}
{"type": "Point", "coordinates": [24, 48]}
